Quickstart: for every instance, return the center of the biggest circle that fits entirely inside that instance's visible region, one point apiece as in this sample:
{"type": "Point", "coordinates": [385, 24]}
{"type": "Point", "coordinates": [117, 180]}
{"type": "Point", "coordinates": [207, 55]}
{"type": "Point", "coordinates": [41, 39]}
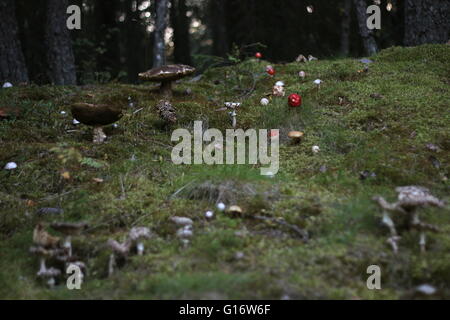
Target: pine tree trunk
{"type": "Point", "coordinates": [345, 27]}
{"type": "Point", "coordinates": [159, 46]}
{"type": "Point", "coordinates": [12, 61]}
{"type": "Point", "coordinates": [60, 57]}
{"type": "Point", "coordinates": [426, 21]}
{"type": "Point", "coordinates": [369, 42]}
{"type": "Point", "coordinates": [180, 24]}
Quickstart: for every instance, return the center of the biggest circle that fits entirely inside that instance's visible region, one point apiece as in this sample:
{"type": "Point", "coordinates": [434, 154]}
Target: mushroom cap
{"type": "Point", "coordinates": [43, 238]}
{"type": "Point", "coordinates": [139, 232]}
{"type": "Point", "coordinates": [417, 196]}
{"type": "Point", "coordinates": [182, 221]}
{"type": "Point", "coordinates": [296, 134]}
{"type": "Point", "coordinates": [49, 273]}
{"type": "Point", "coordinates": [68, 228]}
{"type": "Point", "coordinates": [95, 115]}
{"type": "Point", "coordinates": [234, 210]}
{"type": "Point", "coordinates": [169, 72]}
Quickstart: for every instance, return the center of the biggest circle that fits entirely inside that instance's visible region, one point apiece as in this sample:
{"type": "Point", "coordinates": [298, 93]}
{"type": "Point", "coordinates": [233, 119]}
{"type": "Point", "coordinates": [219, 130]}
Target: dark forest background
{"type": "Point", "coordinates": [120, 38]}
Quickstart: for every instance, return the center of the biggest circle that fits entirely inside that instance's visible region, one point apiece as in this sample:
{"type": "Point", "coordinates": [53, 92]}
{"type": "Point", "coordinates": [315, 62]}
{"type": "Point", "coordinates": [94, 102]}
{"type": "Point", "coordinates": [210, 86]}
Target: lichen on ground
{"type": "Point", "coordinates": [323, 193]}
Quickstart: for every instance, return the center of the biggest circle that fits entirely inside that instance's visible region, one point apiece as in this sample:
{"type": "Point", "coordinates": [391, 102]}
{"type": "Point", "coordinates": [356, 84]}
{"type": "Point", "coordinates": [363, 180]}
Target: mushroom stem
{"type": "Point", "coordinates": [422, 242]}
{"type": "Point", "coordinates": [99, 135]}
{"type": "Point", "coordinates": [111, 264]}
{"type": "Point", "coordinates": [140, 248]}
{"type": "Point", "coordinates": [68, 245]}
{"type": "Point", "coordinates": [166, 89]}
{"type": "Point", "coordinates": [42, 267]}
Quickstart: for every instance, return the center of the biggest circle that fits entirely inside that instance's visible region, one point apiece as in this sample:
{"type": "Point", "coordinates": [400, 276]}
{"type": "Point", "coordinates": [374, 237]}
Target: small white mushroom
{"type": "Point", "coordinates": [75, 122]}
{"type": "Point", "coordinates": [221, 206]}
{"type": "Point", "coordinates": [11, 166]}
{"type": "Point", "coordinates": [279, 83]}
{"type": "Point", "coordinates": [311, 58]}
{"type": "Point", "coordinates": [63, 112]}
{"type": "Point", "coordinates": [7, 85]}
{"type": "Point", "coordinates": [185, 232]}
{"type": "Point", "coordinates": [315, 149]}
{"type": "Point", "coordinates": [233, 117]}
{"type": "Point", "coordinates": [209, 214]}
{"type": "Point", "coordinates": [302, 74]}
{"type": "Point", "coordinates": [318, 82]}
{"type": "Point", "coordinates": [264, 101]}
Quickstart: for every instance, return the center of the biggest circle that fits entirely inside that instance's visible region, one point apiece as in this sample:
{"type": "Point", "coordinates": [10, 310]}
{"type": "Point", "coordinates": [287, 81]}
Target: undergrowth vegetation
{"type": "Point", "coordinates": [379, 122]}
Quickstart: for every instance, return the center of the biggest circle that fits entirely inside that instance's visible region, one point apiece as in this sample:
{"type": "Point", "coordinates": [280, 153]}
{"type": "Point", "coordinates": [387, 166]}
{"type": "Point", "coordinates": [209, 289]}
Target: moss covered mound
{"type": "Point", "coordinates": [378, 121]}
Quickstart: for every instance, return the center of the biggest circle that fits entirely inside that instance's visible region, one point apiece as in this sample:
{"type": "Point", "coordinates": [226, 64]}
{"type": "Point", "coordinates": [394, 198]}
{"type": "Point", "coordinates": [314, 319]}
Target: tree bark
{"type": "Point", "coordinates": [12, 61]}
{"type": "Point", "coordinates": [426, 21]}
{"type": "Point", "coordinates": [159, 46]}
{"type": "Point", "coordinates": [180, 24]}
{"type": "Point", "coordinates": [345, 27]}
{"type": "Point", "coordinates": [370, 45]}
{"type": "Point", "coordinates": [60, 55]}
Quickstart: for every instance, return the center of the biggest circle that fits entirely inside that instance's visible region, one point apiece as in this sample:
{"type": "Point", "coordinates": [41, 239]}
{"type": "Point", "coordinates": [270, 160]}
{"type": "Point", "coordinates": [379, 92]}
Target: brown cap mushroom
{"type": "Point", "coordinates": [69, 229]}
{"type": "Point", "coordinates": [96, 116]}
{"type": "Point", "coordinates": [43, 238]}
{"type": "Point", "coordinates": [296, 136]}
{"type": "Point", "coordinates": [166, 75]}
{"type": "Point", "coordinates": [235, 210]}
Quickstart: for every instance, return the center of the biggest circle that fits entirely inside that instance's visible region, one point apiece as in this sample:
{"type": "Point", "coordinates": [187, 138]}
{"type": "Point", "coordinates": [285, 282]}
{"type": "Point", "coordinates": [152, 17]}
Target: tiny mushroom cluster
{"type": "Point", "coordinates": [50, 248]}
{"type": "Point", "coordinates": [185, 231]}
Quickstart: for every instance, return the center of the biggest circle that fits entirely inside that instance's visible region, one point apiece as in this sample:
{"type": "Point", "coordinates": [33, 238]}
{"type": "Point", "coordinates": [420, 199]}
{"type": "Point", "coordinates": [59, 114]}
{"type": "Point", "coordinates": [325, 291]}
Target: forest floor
{"type": "Point", "coordinates": [382, 123]}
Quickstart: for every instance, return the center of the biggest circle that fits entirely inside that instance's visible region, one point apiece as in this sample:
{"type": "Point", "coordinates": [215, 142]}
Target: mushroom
{"type": "Point", "coordinates": [7, 85]}
{"type": "Point", "coordinates": [233, 118]}
{"type": "Point", "coordinates": [166, 75]}
{"type": "Point", "coordinates": [301, 58]}
{"type": "Point", "coordinates": [318, 82]}
{"type": "Point", "coordinates": [120, 249]}
{"type": "Point", "coordinates": [315, 149]}
{"type": "Point", "coordinates": [44, 254]}
{"type": "Point", "coordinates": [209, 214]}
{"type": "Point", "coordinates": [136, 236]}
{"type": "Point", "coordinates": [69, 230]}
{"type": "Point", "coordinates": [311, 58]}
{"type": "Point", "coordinates": [182, 221]}
{"type": "Point", "coordinates": [234, 210]}
{"type": "Point", "coordinates": [49, 274]}
{"type": "Point", "coordinates": [296, 136]}
{"type": "Point", "coordinates": [278, 90]}
{"type": "Point", "coordinates": [410, 198]}
{"type": "Point", "coordinates": [43, 238]}
{"type": "Point", "coordinates": [302, 74]}
{"type": "Point", "coordinates": [10, 166]}
{"type": "Point", "coordinates": [264, 101]}
{"type": "Point", "coordinates": [96, 116]}
{"type": "Point", "coordinates": [221, 206]}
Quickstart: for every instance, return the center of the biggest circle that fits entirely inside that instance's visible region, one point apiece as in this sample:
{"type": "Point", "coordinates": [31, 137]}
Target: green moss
{"type": "Point", "coordinates": [236, 257]}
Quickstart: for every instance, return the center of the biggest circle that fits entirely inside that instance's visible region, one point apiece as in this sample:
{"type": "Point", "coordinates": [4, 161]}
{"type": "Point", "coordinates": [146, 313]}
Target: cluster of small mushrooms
{"type": "Point", "coordinates": [52, 249]}
{"type": "Point", "coordinates": [410, 200]}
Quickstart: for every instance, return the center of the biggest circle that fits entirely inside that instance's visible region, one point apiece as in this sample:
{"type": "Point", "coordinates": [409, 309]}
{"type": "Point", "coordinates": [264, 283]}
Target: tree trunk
{"type": "Point", "coordinates": [60, 57]}
{"type": "Point", "coordinates": [180, 24]}
{"type": "Point", "coordinates": [369, 42]}
{"type": "Point", "coordinates": [426, 21]}
{"type": "Point", "coordinates": [345, 27]}
{"type": "Point", "coordinates": [159, 46]}
{"type": "Point", "coordinates": [219, 27]}
{"type": "Point", "coordinates": [12, 61]}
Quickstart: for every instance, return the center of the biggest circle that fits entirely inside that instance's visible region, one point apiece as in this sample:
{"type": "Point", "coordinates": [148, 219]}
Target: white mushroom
{"type": "Point", "coordinates": [264, 101]}
{"type": "Point", "coordinates": [136, 236]}
{"type": "Point", "coordinates": [302, 74]}
{"type": "Point", "coordinates": [50, 275]}
{"type": "Point", "coordinates": [7, 85]}
{"type": "Point", "coordinates": [11, 166]}
{"type": "Point", "coordinates": [318, 82]}
{"type": "Point", "coordinates": [315, 149]}
{"type": "Point", "coordinates": [209, 214]}
{"type": "Point", "coordinates": [75, 122]}
{"type": "Point", "coordinates": [221, 206]}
